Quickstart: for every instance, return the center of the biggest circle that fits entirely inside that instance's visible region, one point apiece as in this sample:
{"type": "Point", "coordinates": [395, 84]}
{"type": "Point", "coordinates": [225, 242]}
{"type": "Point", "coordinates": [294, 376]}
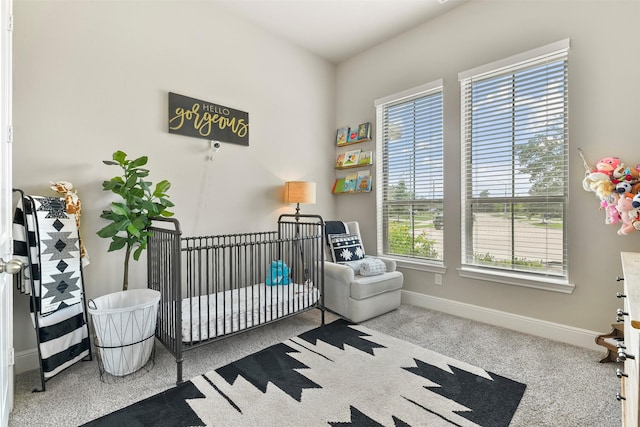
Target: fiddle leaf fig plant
{"type": "Point", "coordinates": [130, 217]}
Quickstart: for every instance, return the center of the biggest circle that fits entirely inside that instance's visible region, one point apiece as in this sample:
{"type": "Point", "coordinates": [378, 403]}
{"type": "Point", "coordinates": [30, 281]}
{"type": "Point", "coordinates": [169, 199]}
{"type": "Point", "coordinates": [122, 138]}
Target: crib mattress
{"type": "Point", "coordinates": [210, 316]}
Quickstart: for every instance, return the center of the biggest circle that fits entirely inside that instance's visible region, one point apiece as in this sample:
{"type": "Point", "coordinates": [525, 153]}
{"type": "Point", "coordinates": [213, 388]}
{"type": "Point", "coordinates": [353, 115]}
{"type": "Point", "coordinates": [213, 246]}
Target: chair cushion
{"type": "Point", "coordinates": [367, 286]}
{"type": "Point", "coordinates": [372, 266]}
{"type": "Point", "coordinates": [345, 247]}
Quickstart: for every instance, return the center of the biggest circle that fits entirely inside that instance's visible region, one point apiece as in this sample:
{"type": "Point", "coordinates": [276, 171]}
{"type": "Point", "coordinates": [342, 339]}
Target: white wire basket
{"type": "Point", "coordinates": [124, 324]}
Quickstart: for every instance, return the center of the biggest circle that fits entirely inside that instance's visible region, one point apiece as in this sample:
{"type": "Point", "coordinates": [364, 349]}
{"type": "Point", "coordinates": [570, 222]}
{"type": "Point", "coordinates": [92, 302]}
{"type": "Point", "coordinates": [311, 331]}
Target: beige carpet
{"type": "Point", "coordinates": [566, 386]}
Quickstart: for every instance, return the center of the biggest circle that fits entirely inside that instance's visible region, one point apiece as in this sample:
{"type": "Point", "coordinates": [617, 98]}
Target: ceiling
{"type": "Point", "coordinates": [338, 29]}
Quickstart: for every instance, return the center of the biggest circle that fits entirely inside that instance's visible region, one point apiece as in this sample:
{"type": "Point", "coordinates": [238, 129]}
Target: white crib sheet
{"type": "Point", "coordinates": [232, 311]}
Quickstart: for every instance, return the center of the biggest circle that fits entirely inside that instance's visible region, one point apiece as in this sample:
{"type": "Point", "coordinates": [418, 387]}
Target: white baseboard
{"type": "Point", "coordinates": [529, 325]}
{"type": "Point", "coordinates": [26, 360]}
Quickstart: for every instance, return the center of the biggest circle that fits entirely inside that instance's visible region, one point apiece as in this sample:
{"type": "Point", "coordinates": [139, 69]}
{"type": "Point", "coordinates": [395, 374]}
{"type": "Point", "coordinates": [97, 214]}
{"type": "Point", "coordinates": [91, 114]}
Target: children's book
{"type": "Point", "coordinates": [351, 182]}
{"type": "Point", "coordinates": [338, 186]}
{"type": "Point", "coordinates": [364, 131]}
{"type": "Point", "coordinates": [342, 136]}
{"type": "Point", "coordinates": [365, 158]}
{"type": "Point", "coordinates": [351, 158]}
{"type": "Point", "coordinates": [364, 181]}
{"type": "Point", "coordinates": [353, 135]}
{"type": "Point", "coordinates": [340, 160]}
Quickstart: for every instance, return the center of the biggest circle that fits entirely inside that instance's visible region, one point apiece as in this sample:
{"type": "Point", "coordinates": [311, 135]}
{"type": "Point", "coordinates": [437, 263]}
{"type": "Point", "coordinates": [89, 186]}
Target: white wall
{"type": "Point", "coordinates": [92, 77]}
{"type": "Point", "coordinates": [604, 91]}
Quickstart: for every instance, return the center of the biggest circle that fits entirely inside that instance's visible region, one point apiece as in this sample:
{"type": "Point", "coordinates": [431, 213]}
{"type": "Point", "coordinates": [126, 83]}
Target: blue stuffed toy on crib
{"type": "Point", "coordinates": [279, 274]}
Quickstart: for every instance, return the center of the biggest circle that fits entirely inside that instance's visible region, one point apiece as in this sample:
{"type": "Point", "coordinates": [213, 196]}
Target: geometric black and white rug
{"type": "Point", "coordinates": [340, 374]}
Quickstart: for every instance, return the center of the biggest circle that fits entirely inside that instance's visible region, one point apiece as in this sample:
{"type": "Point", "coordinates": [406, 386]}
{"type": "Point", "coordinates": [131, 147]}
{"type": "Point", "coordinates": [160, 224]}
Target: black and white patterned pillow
{"type": "Point", "coordinates": [346, 247]}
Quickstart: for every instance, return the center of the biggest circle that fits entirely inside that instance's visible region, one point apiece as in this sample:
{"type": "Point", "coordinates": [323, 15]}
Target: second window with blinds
{"type": "Point", "coordinates": [410, 174]}
{"type": "Point", "coordinates": [515, 158]}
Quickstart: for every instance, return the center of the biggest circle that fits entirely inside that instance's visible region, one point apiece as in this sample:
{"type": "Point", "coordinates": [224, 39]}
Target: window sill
{"type": "Point", "coordinates": [546, 284]}
{"type": "Point", "coordinates": [417, 265]}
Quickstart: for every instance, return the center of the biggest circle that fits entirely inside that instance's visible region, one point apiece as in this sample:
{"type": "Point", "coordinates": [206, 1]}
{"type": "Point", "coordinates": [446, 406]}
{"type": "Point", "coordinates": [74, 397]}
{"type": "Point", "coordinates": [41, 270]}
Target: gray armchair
{"type": "Point", "coordinates": [356, 297]}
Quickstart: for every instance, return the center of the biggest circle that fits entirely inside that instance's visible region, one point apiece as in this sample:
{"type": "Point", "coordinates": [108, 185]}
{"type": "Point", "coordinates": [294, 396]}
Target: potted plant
{"type": "Point", "coordinates": [131, 216]}
{"type": "Point", "coordinates": [125, 322]}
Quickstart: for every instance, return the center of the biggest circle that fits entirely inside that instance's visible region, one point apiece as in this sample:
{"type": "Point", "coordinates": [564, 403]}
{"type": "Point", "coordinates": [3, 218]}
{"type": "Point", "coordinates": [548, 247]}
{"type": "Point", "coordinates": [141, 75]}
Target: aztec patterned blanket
{"type": "Point", "coordinates": [46, 238]}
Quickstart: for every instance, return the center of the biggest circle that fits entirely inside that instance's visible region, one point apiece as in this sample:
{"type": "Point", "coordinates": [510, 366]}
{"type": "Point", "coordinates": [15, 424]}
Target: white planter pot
{"type": "Point", "coordinates": [125, 324]}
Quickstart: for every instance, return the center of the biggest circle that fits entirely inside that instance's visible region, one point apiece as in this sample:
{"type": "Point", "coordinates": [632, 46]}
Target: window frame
{"type": "Point", "coordinates": [469, 268]}
{"type": "Point", "coordinates": [412, 94]}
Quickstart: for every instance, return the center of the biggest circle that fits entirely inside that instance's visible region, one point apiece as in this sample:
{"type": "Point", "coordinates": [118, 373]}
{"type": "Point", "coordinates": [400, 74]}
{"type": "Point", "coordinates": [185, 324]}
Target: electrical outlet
{"type": "Point", "coordinates": [439, 279]}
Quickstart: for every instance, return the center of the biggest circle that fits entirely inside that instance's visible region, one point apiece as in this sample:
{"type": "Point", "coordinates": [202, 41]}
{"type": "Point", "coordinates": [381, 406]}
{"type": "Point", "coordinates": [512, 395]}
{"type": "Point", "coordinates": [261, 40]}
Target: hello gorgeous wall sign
{"type": "Point", "coordinates": [202, 119]}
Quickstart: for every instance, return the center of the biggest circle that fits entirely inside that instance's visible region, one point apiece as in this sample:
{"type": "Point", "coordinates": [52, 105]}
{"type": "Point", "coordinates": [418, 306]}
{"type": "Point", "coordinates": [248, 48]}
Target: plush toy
{"type": "Point", "coordinates": [624, 173]}
{"type": "Point", "coordinates": [635, 221]}
{"type": "Point", "coordinates": [628, 214]}
{"type": "Point", "coordinates": [279, 274]}
{"type": "Point", "coordinates": [607, 165]}
{"type": "Point", "coordinates": [624, 187]}
{"type": "Point", "coordinates": [598, 183]}
{"type": "Point", "coordinates": [612, 215]}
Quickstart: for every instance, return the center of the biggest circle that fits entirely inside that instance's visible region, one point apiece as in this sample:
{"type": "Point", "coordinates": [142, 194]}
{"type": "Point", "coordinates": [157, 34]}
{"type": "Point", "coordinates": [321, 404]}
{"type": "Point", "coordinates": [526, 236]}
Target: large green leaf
{"type": "Point", "coordinates": [138, 251]}
{"type": "Point", "coordinates": [161, 188]}
{"type": "Point", "coordinates": [110, 230]}
{"type": "Point", "coordinates": [140, 161]}
{"type": "Point", "coordinates": [133, 230]}
{"type": "Point", "coordinates": [120, 209]}
{"type": "Point", "coordinates": [119, 156]}
{"type": "Point", "coordinates": [165, 202]}
{"type": "Point", "coordinates": [116, 244]}
{"type": "Point", "coordinates": [131, 181]}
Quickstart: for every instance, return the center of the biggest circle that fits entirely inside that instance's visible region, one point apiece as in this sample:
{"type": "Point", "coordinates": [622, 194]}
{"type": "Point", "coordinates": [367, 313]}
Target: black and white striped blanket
{"type": "Point", "coordinates": [46, 238]}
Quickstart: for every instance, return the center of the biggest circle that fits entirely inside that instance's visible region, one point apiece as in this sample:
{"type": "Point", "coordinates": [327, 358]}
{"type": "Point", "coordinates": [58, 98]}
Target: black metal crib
{"type": "Point", "coordinates": [213, 287]}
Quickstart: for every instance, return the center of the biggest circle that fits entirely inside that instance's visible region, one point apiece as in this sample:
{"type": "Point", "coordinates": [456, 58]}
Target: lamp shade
{"type": "Point", "coordinates": [299, 192]}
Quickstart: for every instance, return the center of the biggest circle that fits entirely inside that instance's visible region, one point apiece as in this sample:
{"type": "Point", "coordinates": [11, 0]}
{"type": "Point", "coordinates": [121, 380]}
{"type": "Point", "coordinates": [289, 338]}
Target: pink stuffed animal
{"type": "Point", "coordinates": [612, 216]}
{"type": "Point", "coordinates": [607, 165]}
{"type": "Point", "coordinates": [628, 214]}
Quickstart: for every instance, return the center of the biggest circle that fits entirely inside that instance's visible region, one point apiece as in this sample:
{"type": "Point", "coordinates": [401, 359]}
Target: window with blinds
{"type": "Point", "coordinates": [410, 173]}
{"type": "Point", "coordinates": [515, 158]}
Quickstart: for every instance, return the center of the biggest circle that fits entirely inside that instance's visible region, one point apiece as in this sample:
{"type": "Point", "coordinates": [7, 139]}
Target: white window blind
{"type": "Point", "coordinates": [515, 163]}
{"type": "Point", "coordinates": [410, 173]}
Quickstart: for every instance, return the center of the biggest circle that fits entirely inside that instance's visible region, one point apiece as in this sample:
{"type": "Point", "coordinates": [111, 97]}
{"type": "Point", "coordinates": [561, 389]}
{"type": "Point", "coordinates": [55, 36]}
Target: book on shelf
{"type": "Point", "coordinates": [364, 181]}
{"type": "Point", "coordinates": [365, 158]}
{"type": "Point", "coordinates": [338, 186]}
{"type": "Point", "coordinates": [351, 182]}
{"type": "Point", "coordinates": [340, 160]}
{"type": "Point", "coordinates": [353, 135]}
{"type": "Point", "coordinates": [351, 158]}
{"type": "Point", "coordinates": [342, 136]}
{"type": "Point", "coordinates": [364, 131]}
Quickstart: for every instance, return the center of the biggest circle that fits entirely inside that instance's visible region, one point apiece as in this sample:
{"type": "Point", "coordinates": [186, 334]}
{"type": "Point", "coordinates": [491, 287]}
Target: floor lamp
{"type": "Point", "coordinates": [300, 192]}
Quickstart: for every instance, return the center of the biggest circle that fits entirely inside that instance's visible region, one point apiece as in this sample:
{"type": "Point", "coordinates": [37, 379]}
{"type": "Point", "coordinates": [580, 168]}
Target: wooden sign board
{"type": "Point", "coordinates": [202, 119]}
